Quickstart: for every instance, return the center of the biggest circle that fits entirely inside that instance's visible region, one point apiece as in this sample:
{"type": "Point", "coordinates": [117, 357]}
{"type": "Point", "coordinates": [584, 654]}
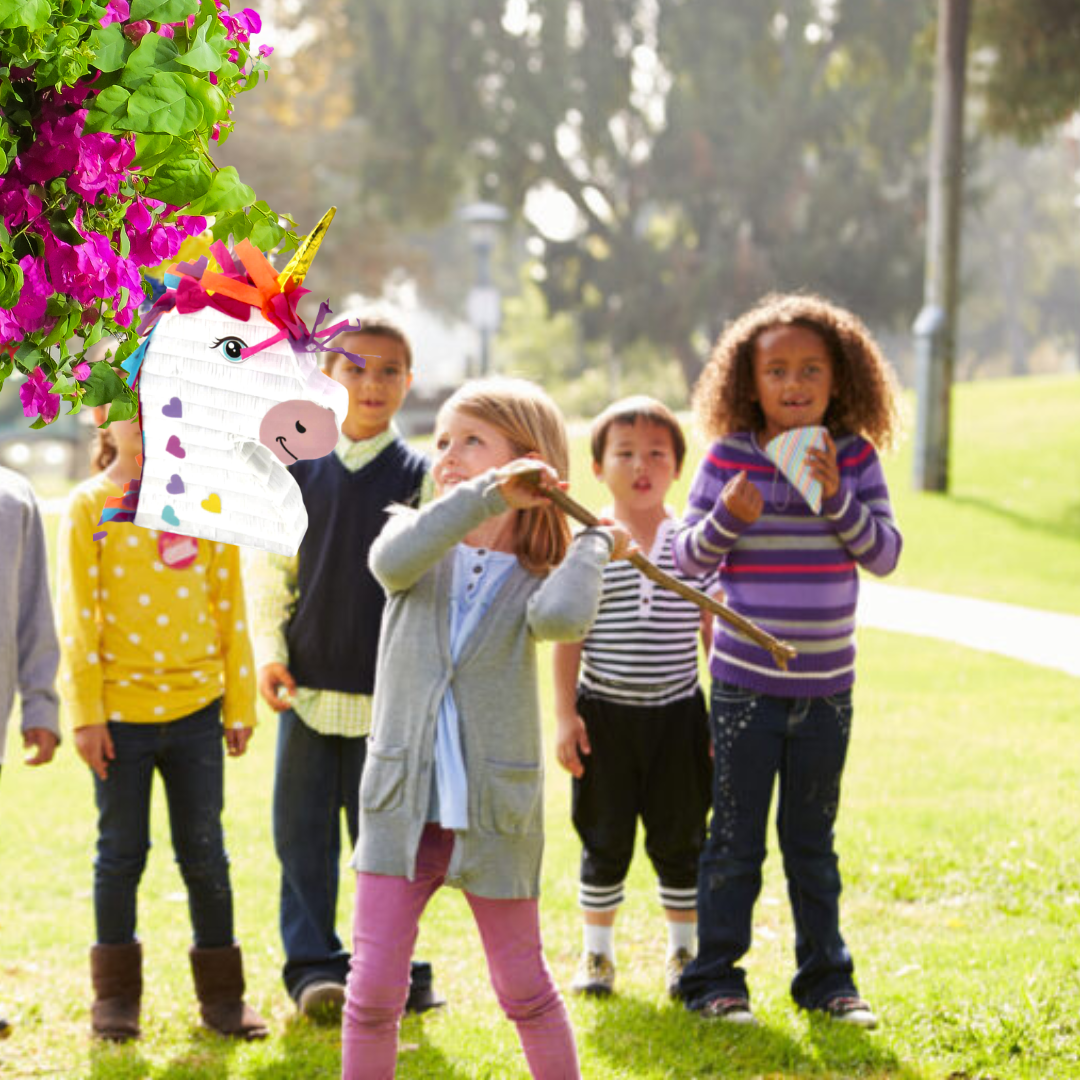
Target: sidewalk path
{"type": "Point", "coordinates": [1045, 638]}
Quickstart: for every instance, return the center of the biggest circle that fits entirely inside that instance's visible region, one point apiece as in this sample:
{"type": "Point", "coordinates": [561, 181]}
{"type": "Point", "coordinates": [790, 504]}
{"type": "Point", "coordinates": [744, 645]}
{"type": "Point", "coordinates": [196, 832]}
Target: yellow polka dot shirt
{"type": "Point", "coordinates": [152, 626]}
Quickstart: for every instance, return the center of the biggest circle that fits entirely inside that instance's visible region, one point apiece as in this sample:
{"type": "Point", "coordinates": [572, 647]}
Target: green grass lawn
{"type": "Point", "coordinates": [959, 839]}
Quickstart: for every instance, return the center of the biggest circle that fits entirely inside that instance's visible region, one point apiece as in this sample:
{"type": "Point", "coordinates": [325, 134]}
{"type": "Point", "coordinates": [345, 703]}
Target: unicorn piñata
{"type": "Point", "coordinates": [230, 394]}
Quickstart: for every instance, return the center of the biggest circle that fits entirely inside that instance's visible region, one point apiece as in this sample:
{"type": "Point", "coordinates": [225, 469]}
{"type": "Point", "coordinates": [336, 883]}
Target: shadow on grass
{"type": "Point", "coordinates": [1065, 528]}
{"type": "Point", "coordinates": [634, 1035]}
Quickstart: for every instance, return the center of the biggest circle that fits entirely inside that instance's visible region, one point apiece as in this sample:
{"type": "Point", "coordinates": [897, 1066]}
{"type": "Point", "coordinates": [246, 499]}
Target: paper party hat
{"type": "Point", "coordinates": [789, 452]}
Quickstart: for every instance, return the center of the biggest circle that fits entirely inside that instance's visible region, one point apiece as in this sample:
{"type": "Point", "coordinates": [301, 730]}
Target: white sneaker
{"type": "Point", "coordinates": [595, 975]}
{"type": "Point", "coordinates": [848, 1009]}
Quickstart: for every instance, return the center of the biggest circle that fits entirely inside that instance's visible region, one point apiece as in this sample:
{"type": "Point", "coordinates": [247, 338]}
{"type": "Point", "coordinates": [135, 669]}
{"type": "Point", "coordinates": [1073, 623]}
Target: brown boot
{"type": "Point", "coordinates": [116, 972]}
{"type": "Point", "coordinates": [219, 984]}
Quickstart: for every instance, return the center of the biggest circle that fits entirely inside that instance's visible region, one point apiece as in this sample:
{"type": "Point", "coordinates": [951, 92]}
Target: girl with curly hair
{"type": "Point", "coordinates": [792, 362]}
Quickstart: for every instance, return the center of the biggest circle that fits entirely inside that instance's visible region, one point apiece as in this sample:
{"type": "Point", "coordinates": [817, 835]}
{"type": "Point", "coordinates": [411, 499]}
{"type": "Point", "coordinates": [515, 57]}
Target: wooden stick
{"type": "Point", "coordinates": [780, 651]}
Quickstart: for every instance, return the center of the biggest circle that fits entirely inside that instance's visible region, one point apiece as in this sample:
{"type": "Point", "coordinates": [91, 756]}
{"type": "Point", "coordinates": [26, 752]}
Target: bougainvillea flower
{"type": "Point", "coordinates": [115, 11]}
{"type": "Point", "coordinates": [36, 399]}
{"type": "Point", "coordinates": [81, 372]}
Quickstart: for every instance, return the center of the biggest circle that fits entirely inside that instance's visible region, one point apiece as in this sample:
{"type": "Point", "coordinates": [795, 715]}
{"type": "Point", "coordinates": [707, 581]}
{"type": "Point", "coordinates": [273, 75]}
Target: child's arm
{"type": "Point", "coordinates": [565, 605]}
{"type": "Point", "coordinates": [721, 507]}
{"type": "Point", "coordinates": [227, 597]}
{"type": "Point", "coordinates": [272, 589]}
{"type": "Point", "coordinates": [415, 540]}
{"type": "Point", "coordinates": [39, 651]}
{"type": "Point", "coordinates": [571, 738]}
{"type": "Point", "coordinates": [855, 499]}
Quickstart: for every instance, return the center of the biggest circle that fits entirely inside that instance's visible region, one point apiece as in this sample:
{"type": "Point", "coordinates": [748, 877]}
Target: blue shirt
{"type": "Point", "coordinates": [478, 575]}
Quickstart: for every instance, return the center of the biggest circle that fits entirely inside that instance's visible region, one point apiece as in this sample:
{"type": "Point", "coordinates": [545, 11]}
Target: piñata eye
{"type": "Point", "coordinates": [230, 348]}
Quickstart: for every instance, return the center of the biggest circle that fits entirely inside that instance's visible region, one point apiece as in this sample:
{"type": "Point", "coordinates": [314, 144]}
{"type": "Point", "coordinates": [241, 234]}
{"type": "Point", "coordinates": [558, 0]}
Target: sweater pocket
{"type": "Point", "coordinates": [383, 783]}
{"type": "Point", "coordinates": [510, 798]}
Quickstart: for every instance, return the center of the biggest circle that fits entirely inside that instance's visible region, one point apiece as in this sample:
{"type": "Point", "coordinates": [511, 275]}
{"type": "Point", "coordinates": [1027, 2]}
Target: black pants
{"type": "Point", "coordinates": [647, 762]}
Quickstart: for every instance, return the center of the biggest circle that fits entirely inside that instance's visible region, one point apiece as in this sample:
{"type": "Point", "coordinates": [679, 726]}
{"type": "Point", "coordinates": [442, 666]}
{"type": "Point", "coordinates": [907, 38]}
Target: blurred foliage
{"type": "Point", "coordinates": [706, 152]}
{"type": "Point", "coordinates": [1026, 54]}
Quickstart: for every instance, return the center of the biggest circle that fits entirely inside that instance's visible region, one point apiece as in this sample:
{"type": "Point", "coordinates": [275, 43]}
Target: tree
{"type": "Point", "coordinates": [705, 153]}
{"type": "Point", "coordinates": [1026, 54]}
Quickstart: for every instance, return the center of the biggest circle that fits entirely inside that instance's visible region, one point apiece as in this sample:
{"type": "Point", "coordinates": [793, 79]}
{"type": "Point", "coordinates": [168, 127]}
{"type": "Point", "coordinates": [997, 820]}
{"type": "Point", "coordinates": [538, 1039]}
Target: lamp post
{"type": "Point", "coordinates": [483, 220]}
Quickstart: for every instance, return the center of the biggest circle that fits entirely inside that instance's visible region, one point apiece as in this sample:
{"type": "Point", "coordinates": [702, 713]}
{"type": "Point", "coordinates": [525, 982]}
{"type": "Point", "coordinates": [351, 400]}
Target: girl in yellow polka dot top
{"type": "Point", "coordinates": [157, 673]}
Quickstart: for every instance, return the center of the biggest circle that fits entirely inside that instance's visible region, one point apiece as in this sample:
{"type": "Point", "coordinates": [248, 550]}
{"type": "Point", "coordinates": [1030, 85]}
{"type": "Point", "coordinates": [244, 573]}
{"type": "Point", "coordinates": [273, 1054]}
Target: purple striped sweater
{"type": "Point", "coordinates": [793, 572]}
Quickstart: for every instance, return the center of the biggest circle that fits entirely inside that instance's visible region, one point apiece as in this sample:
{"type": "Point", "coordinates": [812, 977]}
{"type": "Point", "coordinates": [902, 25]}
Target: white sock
{"type": "Point", "coordinates": [681, 935]}
{"type": "Point", "coordinates": [599, 939]}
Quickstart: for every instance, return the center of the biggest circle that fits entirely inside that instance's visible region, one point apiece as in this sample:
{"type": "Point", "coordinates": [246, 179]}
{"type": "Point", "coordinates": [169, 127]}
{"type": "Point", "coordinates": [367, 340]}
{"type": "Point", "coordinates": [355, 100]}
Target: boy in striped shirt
{"type": "Point", "coordinates": [632, 727]}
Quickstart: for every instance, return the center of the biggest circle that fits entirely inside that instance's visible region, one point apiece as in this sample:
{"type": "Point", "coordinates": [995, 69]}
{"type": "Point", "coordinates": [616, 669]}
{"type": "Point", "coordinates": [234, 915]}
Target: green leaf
{"type": "Point", "coordinates": [163, 104]}
{"type": "Point", "coordinates": [28, 356]}
{"type": "Point", "coordinates": [107, 110]}
{"type": "Point", "coordinates": [227, 192]}
{"type": "Point", "coordinates": [180, 179]}
{"type": "Point", "coordinates": [265, 233]}
{"type": "Point", "coordinates": [102, 385]}
{"type": "Point", "coordinates": [209, 50]}
{"type": "Point", "coordinates": [122, 409]}
{"type": "Point", "coordinates": [11, 283]}
{"type": "Point", "coordinates": [39, 423]}
{"type": "Point", "coordinates": [214, 104]}
{"type": "Point", "coordinates": [31, 14]}
{"type": "Point", "coordinates": [163, 11]}
{"type": "Point", "coordinates": [152, 148]}
{"type": "Point", "coordinates": [237, 225]}
{"type": "Point", "coordinates": [154, 55]}
{"type": "Point", "coordinates": [109, 47]}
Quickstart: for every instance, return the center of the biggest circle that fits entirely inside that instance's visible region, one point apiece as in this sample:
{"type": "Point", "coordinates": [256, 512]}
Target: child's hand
{"type": "Point", "coordinates": [571, 741]}
{"type": "Point", "coordinates": [273, 678]}
{"type": "Point", "coordinates": [622, 543]}
{"type": "Point", "coordinates": [95, 747]}
{"type": "Point", "coordinates": [824, 469]}
{"type": "Point", "coordinates": [742, 499]}
{"type": "Point", "coordinates": [521, 493]}
{"type": "Point", "coordinates": [237, 738]}
{"type": "Point", "coordinates": [44, 743]}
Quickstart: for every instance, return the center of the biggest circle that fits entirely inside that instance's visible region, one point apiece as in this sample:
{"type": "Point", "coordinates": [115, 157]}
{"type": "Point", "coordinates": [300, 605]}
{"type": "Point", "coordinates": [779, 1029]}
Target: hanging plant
{"type": "Point", "coordinates": [107, 115]}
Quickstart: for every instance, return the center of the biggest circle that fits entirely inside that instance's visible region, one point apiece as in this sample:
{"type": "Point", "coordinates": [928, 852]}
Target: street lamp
{"type": "Point", "coordinates": [483, 220]}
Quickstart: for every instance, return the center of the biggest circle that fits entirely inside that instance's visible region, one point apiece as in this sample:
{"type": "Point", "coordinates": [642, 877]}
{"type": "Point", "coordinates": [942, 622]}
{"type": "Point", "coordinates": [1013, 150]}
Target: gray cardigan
{"type": "Point", "coordinates": [495, 688]}
{"type": "Point", "coordinates": [29, 652]}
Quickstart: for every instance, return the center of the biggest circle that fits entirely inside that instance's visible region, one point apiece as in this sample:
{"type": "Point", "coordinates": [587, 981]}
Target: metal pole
{"type": "Point", "coordinates": [935, 328]}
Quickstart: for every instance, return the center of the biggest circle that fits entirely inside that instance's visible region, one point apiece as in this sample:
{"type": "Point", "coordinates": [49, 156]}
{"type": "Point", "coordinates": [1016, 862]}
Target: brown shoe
{"type": "Point", "coordinates": [219, 985]}
{"type": "Point", "coordinates": [116, 974]}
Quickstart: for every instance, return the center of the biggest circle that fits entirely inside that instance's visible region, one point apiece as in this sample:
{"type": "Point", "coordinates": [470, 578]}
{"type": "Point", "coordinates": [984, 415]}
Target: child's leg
{"type": "Point", "coordinates": [809, 800]}
{"type": "Point", "coordinates": [123, 804]}
{"type": "Point", "coordinates": [674, 805]}
{"type": "Point", "coordinates": [386, 917]}
{"type": "Point", "coordinates": [748, 732]}
{"type": "Point", "coordinates": [315, 776]}
{"type": "Point", "coordinates": [192, 764]}
{"type": "Point", "coordinates": [604, 809]}
{"type": "Point", "coordinates": [510, 931]}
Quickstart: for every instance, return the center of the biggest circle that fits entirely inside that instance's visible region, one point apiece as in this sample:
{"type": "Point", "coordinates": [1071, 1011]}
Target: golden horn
{"type": "Point", "coordinates": [301, 262]}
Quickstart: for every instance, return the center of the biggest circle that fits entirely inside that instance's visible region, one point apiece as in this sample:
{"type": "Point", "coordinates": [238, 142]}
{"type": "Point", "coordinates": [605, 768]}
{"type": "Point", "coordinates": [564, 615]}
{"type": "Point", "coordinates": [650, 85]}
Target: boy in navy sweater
{"type": "Point", "coordinates": [317, 619]}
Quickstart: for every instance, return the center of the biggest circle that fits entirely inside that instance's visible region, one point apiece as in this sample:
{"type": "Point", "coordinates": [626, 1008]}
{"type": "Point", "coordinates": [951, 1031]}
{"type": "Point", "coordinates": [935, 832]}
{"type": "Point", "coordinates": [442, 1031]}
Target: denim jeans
{"type": "Point", "coordinates": [316, 778]}
{"type": "Point", "coordinates": [803, 742]}
{"type": "Point", "coordinates": [189, 755]}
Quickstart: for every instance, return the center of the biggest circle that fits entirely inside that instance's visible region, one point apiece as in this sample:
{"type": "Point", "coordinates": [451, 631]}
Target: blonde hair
{"type": "Point", "coordinates": [532, 423]}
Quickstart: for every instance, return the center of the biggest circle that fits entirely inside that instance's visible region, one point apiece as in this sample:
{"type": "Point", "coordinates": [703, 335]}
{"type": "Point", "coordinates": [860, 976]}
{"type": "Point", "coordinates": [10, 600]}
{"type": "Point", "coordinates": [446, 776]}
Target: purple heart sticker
{"type": "Point", "coordinates": [175, 408]}
{"type": "Point", "coordinates": [175, 486]}
{"type": "Point", "coordinates": [173, 447]}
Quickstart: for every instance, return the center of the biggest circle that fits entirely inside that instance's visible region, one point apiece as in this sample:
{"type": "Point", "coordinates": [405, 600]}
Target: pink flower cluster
{"type": "Point", "coordinates": [91, 166]}
{"type": "Point", "coordinates": [36, 397]}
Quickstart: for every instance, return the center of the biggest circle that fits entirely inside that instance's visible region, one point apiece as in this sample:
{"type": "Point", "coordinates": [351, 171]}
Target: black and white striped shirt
{"type": "Point", "coordinates": [642, 649]}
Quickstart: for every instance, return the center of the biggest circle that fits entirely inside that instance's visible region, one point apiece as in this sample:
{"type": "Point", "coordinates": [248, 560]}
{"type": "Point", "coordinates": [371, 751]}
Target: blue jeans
{"type": "Point", "coordinates": [316, 778]}
{"type": "Point", "coordinates": [758, 738]}
{"type": "Point", "coordinates": [188, 753]}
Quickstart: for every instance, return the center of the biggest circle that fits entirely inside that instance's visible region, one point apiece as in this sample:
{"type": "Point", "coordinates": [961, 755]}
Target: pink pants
{"type": "Point", "coordinates": [385, 924]}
